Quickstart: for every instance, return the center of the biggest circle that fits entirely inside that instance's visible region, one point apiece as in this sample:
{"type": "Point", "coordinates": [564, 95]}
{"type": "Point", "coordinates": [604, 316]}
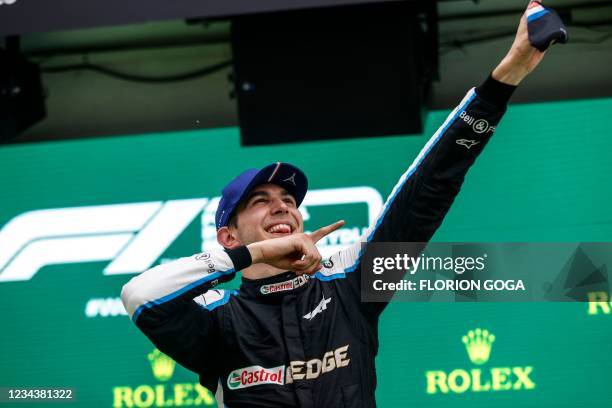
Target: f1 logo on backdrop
{"type": "Point", "coordinates": [7, 2]}
{"type": "Point", "coordinates": [133, 236]}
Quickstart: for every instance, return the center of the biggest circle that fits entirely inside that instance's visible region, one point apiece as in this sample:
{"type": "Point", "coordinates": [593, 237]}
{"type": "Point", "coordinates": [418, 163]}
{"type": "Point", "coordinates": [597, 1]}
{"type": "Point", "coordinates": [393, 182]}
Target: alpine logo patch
{"type": "Point", "coordinates": [319, 309]}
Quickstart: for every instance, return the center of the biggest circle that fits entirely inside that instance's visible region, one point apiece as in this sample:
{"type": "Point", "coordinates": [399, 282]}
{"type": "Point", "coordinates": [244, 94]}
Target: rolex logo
{"type": "Point", "coordinates": [168, 394]}
{"type": "Point", "coordinates": [161, 364]}
{"type": "Point", "coordinates": [478, 343]}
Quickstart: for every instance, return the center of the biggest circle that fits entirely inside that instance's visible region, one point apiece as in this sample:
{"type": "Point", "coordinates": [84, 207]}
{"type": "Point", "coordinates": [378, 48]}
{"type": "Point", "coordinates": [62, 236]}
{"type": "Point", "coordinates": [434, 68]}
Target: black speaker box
{"type": "Point", "coordinates": [342, 72]}
{"type": "Point", "coordinates": [21, 94]}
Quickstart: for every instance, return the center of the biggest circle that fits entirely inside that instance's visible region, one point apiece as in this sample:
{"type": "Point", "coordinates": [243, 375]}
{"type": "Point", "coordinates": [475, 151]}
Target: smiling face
{"type": "Point", "coordinates": [268, 211]}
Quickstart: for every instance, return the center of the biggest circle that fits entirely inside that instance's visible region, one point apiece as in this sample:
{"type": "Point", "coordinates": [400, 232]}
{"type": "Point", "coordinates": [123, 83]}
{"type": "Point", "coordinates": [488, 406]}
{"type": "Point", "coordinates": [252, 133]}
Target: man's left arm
{"type": "Point", "coordinates": [424, 193]}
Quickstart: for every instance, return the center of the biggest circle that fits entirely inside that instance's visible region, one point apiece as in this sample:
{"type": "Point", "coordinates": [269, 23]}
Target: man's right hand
{"type": "Point", "coordinates": [296, 253]}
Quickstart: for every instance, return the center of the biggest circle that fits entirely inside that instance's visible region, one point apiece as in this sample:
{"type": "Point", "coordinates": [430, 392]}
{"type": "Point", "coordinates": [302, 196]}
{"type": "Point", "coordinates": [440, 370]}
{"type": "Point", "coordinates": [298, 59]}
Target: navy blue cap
{"type": "Point", "coordinates": [284, 175]}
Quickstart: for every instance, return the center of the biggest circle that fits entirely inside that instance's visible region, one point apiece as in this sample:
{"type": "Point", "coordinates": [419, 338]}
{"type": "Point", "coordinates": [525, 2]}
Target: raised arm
{"type": "Point", "coordinates": [424, 193]}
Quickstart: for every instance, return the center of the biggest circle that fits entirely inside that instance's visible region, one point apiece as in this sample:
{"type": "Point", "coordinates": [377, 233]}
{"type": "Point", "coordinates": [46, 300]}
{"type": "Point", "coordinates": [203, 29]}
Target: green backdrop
{"type": "Point", "coordinates": [545, 176]}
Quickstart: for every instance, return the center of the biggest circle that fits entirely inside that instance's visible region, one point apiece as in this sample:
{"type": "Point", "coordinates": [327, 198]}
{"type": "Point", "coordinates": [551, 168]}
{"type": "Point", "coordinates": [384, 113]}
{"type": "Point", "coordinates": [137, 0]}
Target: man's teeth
{"type": "Point", "coordinates": [280, 228]}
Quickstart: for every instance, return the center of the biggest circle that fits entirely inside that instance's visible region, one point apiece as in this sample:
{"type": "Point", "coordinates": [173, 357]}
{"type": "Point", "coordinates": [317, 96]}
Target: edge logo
{"type": "Point", "coordinates": [162, 395]}
{"type": "Point", "coordinates": [287, 374]}
{"type": "Point", "coordinates": [478, 344]}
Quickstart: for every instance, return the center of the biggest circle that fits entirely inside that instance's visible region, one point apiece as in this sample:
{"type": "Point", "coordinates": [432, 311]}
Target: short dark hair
{"type": "Point", "coordinates": [233, 221]}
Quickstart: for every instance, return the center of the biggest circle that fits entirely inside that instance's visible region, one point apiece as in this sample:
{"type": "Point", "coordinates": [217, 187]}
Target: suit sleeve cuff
{"type": "Point", "coordinates": [495, 92]}
{"type": "Point", "coordinates": [241, 257]}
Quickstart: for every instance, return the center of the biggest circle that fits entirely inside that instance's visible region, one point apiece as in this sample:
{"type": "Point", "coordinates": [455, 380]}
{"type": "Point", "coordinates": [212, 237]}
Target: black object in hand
{"type": "Point", "coordinates": [544, 26]}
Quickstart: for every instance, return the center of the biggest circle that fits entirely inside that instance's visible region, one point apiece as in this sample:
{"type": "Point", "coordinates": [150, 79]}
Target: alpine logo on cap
{"type": "Point", "coordinates": [291, 179]}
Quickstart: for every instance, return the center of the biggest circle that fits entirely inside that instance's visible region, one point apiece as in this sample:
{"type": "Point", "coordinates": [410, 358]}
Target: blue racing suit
{"type": "Point", "coordinates": [306, 341]}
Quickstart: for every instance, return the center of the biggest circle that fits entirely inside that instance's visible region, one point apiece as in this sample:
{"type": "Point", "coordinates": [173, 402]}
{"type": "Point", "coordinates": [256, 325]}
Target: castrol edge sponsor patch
{"type": "Point", "coordinates": [286, 374]}
{"type": "Point", "coordinates": [285, 285]}
{"type": "Point", "coordinates": [255, 375]}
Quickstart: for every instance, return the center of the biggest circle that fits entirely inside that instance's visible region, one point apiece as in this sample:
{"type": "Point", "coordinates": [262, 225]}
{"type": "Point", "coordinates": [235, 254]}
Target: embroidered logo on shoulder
{"type": "Point", "coordinates": [205, 257]}
{"type": "Point", "coordinates": [480, 126]}
{"type": "Point", "coordinates": [467, 143]}
{"type": "Point", "coordinates": [319, 309]}
{"type": "Point", "coordinates": [285, 285]}
{"type": "Point", "coordinates": [328, 263]}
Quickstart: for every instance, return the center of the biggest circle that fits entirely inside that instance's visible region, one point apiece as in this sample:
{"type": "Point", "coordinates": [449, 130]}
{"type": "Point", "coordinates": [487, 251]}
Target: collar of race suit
{"type": "Point", "coordinates": [275, 287]}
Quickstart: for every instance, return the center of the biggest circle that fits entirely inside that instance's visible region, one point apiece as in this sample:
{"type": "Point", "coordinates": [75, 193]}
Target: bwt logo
{"type": "Point", "coordinates": [133, 236]}
{"type": "Point", "coordinates": [7, 2]}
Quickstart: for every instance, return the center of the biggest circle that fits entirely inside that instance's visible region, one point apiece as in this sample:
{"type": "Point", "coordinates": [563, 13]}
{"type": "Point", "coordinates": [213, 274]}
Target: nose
{"type": "Point", "coordinates": [279, 206]}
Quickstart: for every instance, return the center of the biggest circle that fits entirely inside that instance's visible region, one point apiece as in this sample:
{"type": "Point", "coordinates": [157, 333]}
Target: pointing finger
{"type": "Point", "coordinates": [323, 231]}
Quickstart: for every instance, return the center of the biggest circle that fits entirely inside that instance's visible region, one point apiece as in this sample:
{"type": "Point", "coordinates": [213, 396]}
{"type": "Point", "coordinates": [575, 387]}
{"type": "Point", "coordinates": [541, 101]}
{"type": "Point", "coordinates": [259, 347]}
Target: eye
{"type": "Point", "coordinates": [289, 201]}
{"type": "Point", "coordinates": [258, 201]}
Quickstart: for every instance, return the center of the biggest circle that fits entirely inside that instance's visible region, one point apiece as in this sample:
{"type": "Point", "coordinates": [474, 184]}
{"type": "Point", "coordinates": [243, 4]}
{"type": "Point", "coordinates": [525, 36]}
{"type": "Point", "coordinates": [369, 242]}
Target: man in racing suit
{"type": "Point", "coordinates": [296, 333]}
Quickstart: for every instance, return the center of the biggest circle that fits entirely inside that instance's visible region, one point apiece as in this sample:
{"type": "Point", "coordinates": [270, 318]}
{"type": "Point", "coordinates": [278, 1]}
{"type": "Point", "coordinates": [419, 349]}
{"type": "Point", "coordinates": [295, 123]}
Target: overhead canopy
{"type": "Point", "coordinates": [27, 16]}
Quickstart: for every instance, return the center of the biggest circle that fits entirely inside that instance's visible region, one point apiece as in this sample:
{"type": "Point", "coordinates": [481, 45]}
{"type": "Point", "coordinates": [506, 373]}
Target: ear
{"type": "Point", "coordinates": [227, 238]}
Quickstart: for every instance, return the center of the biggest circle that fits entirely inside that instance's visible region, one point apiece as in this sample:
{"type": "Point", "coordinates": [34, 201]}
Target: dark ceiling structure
{"type": "Point", "coordinates": [163, 75]}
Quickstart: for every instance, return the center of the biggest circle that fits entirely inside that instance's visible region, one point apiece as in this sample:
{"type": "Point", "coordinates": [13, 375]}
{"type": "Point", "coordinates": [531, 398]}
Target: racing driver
{"type": "Point", "coordinates": [296, 333]}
